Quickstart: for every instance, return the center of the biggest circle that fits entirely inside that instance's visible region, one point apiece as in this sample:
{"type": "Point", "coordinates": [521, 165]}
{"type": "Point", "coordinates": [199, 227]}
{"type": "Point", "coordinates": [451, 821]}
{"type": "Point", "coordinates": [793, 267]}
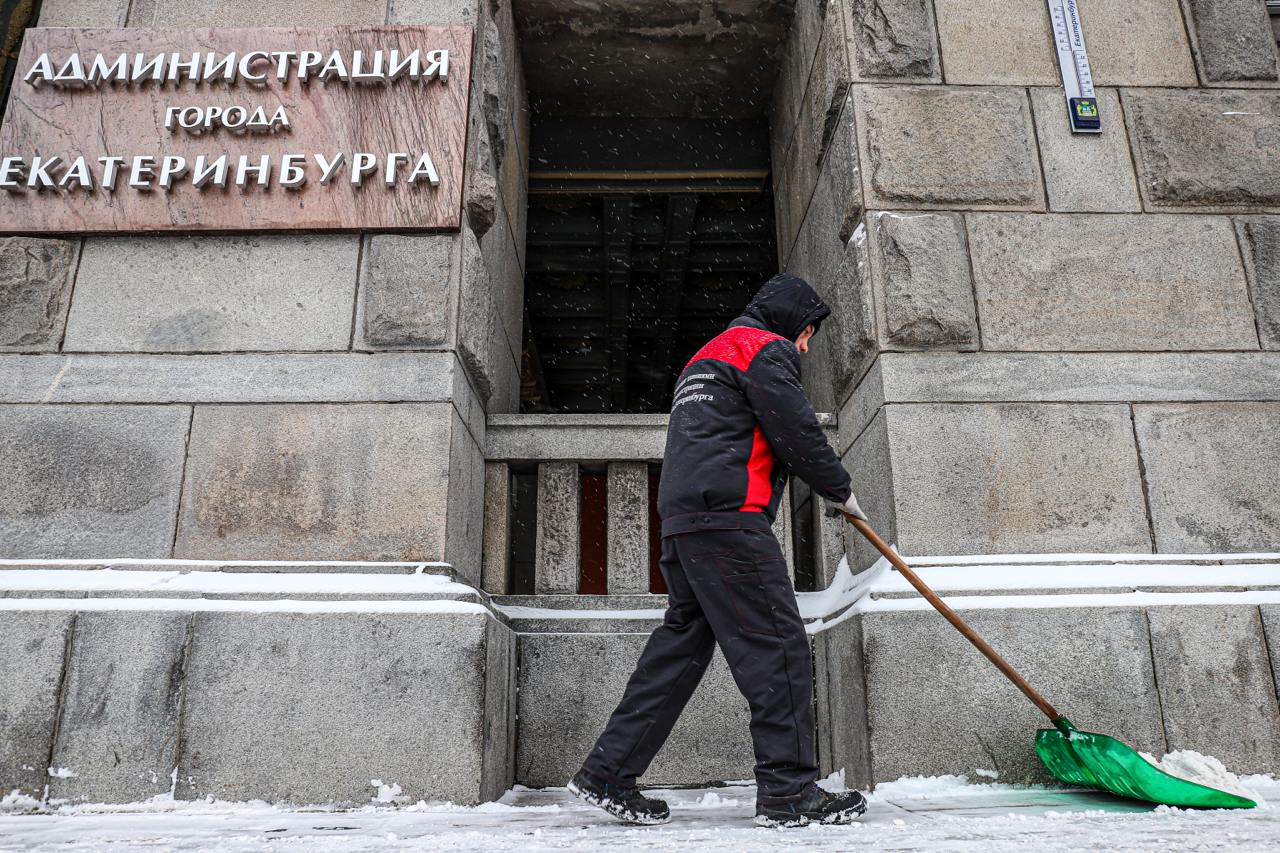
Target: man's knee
{"type": "Point", "coordinates": [685, 617]}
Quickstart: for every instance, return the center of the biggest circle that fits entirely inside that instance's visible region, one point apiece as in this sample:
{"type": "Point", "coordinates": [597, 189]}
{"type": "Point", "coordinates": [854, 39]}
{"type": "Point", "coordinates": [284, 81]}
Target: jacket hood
{"type": "Point", "coordinates": [784, 305]}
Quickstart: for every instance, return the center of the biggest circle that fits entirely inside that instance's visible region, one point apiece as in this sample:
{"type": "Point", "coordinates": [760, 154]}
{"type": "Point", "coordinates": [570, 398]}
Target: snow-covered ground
{"type": "Point", "coordinates": [940, 814]}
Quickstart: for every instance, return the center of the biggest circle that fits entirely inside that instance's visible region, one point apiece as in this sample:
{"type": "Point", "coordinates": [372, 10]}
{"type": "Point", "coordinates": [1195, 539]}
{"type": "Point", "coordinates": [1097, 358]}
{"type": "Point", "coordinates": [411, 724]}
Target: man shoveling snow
{"type": "Point", "coordinates": [739, 422]}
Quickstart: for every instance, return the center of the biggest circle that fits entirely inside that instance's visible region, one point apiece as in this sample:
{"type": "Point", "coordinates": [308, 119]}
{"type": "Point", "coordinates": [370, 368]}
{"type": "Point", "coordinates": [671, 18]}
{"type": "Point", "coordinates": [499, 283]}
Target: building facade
{"type": "Point", "coordinates": [287, 511]}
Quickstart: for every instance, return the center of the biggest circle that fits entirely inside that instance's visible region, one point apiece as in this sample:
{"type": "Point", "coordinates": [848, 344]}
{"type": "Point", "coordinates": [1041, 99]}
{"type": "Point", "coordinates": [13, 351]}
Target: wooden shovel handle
{"type": "Point", "coordinates": [954, 618]}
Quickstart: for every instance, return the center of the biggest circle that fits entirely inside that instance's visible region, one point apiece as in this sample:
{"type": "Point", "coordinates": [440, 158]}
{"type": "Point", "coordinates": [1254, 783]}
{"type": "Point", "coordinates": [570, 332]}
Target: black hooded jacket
{"type": "Point", "coordinates": [740, 420]}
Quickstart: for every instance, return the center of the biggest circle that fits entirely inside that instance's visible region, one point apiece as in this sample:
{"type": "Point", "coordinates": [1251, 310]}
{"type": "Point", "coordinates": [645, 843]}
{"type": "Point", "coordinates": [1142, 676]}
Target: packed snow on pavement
{"type": "Point", "coordinates": [949, 813]}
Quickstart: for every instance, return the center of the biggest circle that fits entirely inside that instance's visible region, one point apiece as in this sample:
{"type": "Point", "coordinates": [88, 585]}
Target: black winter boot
{"type": "Point", "coordinates": [813, 806]}
{"type": "Point", "coordinates": [626, 804]}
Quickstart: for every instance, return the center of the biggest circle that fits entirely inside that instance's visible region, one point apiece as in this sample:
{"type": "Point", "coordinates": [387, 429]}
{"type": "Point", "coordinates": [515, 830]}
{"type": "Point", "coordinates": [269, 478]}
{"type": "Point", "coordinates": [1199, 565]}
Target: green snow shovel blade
{"type": "Point", "coordinates": [1075, 757]}
{"type": "Point", "coordinates": [1099, 761]}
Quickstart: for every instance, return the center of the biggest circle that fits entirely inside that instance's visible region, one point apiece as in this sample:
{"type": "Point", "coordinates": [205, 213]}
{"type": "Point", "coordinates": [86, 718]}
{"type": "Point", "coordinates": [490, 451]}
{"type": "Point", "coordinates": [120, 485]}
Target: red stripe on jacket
{"type": "Point", "coordinates": [759, 474]}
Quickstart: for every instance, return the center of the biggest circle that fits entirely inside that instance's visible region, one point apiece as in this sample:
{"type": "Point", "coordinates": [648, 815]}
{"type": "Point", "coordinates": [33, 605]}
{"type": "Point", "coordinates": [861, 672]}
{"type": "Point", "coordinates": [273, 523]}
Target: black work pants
{"type": "Point", "coordinates": [729, 587]}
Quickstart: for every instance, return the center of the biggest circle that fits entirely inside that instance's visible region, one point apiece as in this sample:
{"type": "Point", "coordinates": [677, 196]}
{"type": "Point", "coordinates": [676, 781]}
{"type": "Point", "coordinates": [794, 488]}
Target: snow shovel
{"type": "Point", "coordinates": [1073, 756]}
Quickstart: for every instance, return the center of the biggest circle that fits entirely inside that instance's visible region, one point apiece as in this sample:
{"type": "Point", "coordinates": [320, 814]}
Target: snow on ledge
{"type": "Point", "coordinates": [213, 565]}
{"type": "Point", "coordinates": [1159, 573]}
{"type": "Point", "coordinates": [524, 611]}
{"type": "Point", "coordinates": [1085, 557]}
{"type": "Point", "coordinates": [224, 605]}
{"type": "Point", "coordinates": [1085, 600]}
{"type": "Point", "coordinates": [141, 583]}
{"type": "Point", "coordinates": [1026, 581]}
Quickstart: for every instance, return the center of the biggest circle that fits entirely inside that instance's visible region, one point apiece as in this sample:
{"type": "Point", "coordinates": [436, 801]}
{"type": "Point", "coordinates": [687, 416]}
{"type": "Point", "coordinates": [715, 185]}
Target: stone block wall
{"type": "Point", "coordinates": [900, 692]}
{"type": "Point", "coordinates": [569, 684]}
{"type": "Point", "coordinates": [292, 706]}
{"type": "Point", "coordinates": [276, 363]}
{"type": "Point", "coordinates": [1043, 341]}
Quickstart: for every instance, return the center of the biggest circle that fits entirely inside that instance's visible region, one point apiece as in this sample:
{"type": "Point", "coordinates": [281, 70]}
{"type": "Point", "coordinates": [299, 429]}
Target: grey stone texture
{"type": "Point", "coordinates": [496, 558]}
{"type": "Point", "coordinates": [432, 11]}
{"type": "Point", "coordinates": [1260, 244]}
{"type": "Point", "coordinates": [1015, 478]}
{"type": "Point", "coordinates": [869, 462]}
{"type": "Point", "coordinates": [782, 525]}
{"type": "Point", "coordinates": [851, 330]}
{"type": "Point", "coordinates": [464, 520]}
{"type": "Point", "coordinates": [1005, 42]}
{"type": "Point", "coordinates": [794, 65]}
{"type": "Point", "coordinates": [629, 620]}
{"type": "Point", "coordinates": [1109, 282]}
{"type": "Point", "coordinates": [30, 678]}
{"type": "Point", "coordinates": [628, 495]}
{"type": "Point", "coordinates": [862, 404]}
{"type": "Point", "coordinates": [838, 205]}
{"type": "Point", "coordinates": [1217, 692]}
{"type": "Point", "coordinates": [405, 290]}
{"type": "Point", "coordinates": [556, 561]}
{"type": "Point", "coordinates": [569, 684]}
{"type": "Point", "coordinates": [943, 146]}
{"type": "Point", "coordinates": [923, 284]}
{"type": "Point", "coordinates": [214, 294]}
{"type": "Point", "coordinates": [482, 343]}
{"type": "Point", "coordinates": [255, 13]}
{"type": "Point", "coordinates": [90, 481]}
{"type": "Point", "coordinates": [1206, 149]}
{"type": "Point", "coordinates": [1010, 42]}
{"type": "Point", "coordinates": [35, 289]}
{"type": "Point", "coordinates": [84, 13]}
{"type": "Point", "coordinates": [119, 723]}
{"type": "Point", "coordinates": [840, 700]}
{"type": "Point", "coordinates": [499, 711]}
{"type": "Point", "coordinates": [1210, 475]}
{"type": "Point", "coordinates": [506, 278]}
{"type": "Point", "coordinates": [309, 707]}
{"type": "Point", "coordinates": [1137, 43]}
{"type": "Point", "coordinates": [820, 253]}
{"type": "Point", "coordinates": [799, 168]}
{"type": "Point", "coordinates": [1085, 172]}
{"type": "Point", "coordinates": [831, 543]}
{"type": "Point", "coordinates": [604, 437]}
{"type": "Point", "coordinates": [892, 39]}
{"type": "Point", "coordinates": [1271, 633]}
{"type": "Point", "coordinates": [1233, 42]}
{"type": "Point", "coordinates": [333, 482]}
{"type": "Point", "coordinates": [1095, 664]}
{"type": "Point", "coordinates": [231, 378]}
{"type": "Point", "coordinates": [1067, 377]}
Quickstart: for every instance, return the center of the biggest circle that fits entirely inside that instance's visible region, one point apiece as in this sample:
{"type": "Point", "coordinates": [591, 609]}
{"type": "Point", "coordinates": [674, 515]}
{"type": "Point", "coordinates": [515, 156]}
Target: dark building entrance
{"type": "Point", "coordinates": [650, 216]}
{"type": "Point", "coordinates": [650, 219]}
{"type": "Point", "coordinates": [644, 238]}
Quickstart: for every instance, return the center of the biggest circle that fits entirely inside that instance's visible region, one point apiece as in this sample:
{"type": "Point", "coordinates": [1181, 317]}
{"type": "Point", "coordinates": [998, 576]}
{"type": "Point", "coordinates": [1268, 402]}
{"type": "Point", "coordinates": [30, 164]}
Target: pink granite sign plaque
{"type": "Point", "coordinates": [111, 130]}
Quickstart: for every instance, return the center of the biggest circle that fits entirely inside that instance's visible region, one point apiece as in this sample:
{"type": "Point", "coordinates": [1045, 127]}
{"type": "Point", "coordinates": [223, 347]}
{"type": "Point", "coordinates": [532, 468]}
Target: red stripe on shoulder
{"type": "Point", "coordinates": [735, 346]}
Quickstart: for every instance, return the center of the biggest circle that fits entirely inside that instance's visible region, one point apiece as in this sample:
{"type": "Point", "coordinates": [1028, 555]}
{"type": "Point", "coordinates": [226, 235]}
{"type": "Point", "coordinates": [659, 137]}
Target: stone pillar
{"type": "Point", "coordinates": [829, 544]}
{"type": "Point", "coordinates": [557, 566]}
{"type": "Point", "coordinates": [1023, 314]}
{"type": "Point", "coordinates": [628, 527]}
{"type": "Point", "coordinates": [495, 566]}
{"type": "Point", "coordinates": [782, 530]}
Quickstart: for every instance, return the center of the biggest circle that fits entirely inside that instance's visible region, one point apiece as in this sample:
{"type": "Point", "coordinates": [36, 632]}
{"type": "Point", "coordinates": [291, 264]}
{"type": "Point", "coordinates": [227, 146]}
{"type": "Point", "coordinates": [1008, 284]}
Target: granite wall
{"type": "Point", "coordinates": [298, 396]}
{"type": "Point", "coordinates": [1045, 341]}
{"type": "Point", "coordinates": [245, 701]}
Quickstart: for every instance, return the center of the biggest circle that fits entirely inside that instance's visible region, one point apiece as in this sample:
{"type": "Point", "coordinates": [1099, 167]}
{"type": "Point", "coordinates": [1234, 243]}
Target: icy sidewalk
{"type": "Point", "coordinates": [943, 814]}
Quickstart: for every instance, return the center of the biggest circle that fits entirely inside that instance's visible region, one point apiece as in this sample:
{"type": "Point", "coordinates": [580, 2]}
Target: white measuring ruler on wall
{"type": "Point", "coordinates": [1073, 60]}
